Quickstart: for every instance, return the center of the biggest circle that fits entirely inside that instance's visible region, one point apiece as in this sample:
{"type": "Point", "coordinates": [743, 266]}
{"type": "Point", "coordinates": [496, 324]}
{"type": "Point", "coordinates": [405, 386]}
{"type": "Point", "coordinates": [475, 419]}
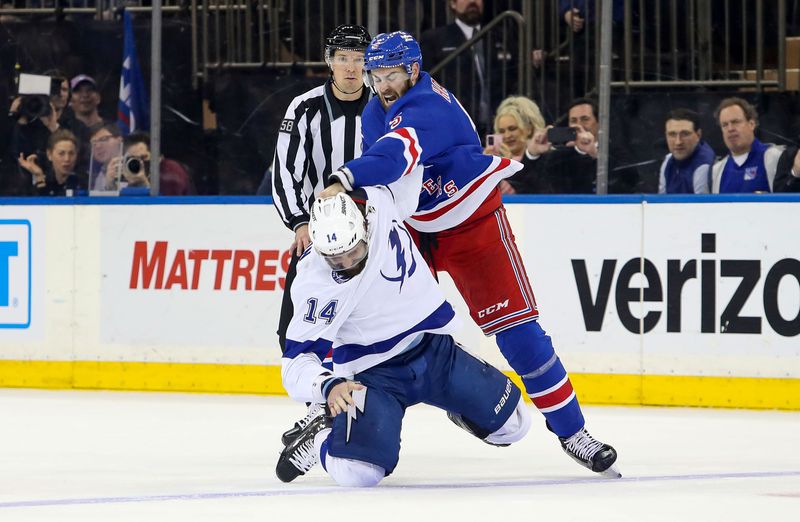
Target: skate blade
{"type": "Point", "coordinates": [611, 472]}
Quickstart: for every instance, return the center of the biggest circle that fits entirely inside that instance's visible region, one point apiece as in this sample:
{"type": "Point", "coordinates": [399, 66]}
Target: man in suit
{"type": "Point", "coordinates": [481, 77]}
{"type": "Point", "coordinates": [571, 168]}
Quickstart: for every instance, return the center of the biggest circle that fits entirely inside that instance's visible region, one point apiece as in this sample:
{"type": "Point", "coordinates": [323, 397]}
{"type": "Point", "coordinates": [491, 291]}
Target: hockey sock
{"type": "Point", "coordinates": [530, 353]}
{"type": "Point", "coordinates": [321, 446]}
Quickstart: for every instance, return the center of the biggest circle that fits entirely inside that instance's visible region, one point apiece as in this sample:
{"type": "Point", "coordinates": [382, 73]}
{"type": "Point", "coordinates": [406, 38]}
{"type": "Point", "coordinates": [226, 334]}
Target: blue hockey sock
{"type": "Point", "coordinates": [526, 347]}
{"type": "Point", "coordinates": [530, 353]}
{"type": "Point", "coordinates": [323, 452]}
{"type": "Point", "coordinates": [551, 392]}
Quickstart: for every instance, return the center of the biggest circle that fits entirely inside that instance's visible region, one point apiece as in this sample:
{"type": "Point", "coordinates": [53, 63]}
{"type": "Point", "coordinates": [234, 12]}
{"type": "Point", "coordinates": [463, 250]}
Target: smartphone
{"type": "Point", "coordinates": [493, 142]}
{"type": "Point", "coordinates": [561, 135]}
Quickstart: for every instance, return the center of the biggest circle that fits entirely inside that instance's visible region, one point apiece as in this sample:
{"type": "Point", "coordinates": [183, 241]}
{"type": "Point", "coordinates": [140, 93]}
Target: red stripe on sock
{"type": "Point", "coordinates": [554, 397]}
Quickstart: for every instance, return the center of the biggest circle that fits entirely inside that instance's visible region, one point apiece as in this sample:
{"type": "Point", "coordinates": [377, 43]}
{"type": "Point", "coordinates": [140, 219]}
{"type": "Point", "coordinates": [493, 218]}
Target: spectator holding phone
{"type": "Point", "coordinates": [516, 121]}
{"type": "Point", "coordinates": [565, 161]}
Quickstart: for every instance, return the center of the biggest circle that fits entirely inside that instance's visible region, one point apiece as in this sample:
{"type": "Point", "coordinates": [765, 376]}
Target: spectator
{"type": "Point", "coordinates": [106, 143]}
{"type": "Point", "coordinates": [686, 169]}
{"type": "Point", "coordinates": [516, 120]}
{"type": "Point", "coordinates": [67, 119]}
{"type": "Point", "coordinates": [134, 169]}
{"type": "Point", "coordinates": [472, 77]}
{"type": "Point", "coordinates": [30, 134]}
{"type": "Point", "coordinates": [577, 15]}
{"type": "Point", "coordinates": [173, 177]}
{"type": "Point", "coordinates": [571, 168]}
{"type": "Point", "coordinates": [787, 177]}
{"type": "Point", "coordinates": [750, 165]}
{"type": "Point", "coordinates": [86, 100]}
{"type": "Point", "coordinates": [58, 178]}
{"type": "Point", "coordinates": [61, 99]}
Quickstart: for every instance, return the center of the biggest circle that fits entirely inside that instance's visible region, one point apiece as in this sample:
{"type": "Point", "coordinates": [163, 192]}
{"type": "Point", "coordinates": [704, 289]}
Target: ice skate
{"type": "Point", "coordinates": [292, 433]}
{"type": "Point", "coordinates": [467, 426]}
{"type": "Point", "coordinates": [591, 453]}
{"type": "Point", "coordinates": [299, 456]}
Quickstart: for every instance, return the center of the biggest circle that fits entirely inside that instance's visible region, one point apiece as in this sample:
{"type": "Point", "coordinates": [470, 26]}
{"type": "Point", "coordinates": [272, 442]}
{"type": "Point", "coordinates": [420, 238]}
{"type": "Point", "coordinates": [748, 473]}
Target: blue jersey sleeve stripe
{"type": "Point", "coordinates": [319, 347]}
{"type": "Point", "coordinates": [350, 352]}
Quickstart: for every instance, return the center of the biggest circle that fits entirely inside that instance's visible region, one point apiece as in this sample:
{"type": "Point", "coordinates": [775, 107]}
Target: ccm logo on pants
{"type": "Point", "coordinates": [492, 309]}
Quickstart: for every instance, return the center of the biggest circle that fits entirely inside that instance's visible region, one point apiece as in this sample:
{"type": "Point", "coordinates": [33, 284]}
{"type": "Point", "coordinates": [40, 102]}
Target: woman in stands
{"type": "Point", "coordinates": [57, 177]}
{"type": "Point", "coordinates": [516, 120]}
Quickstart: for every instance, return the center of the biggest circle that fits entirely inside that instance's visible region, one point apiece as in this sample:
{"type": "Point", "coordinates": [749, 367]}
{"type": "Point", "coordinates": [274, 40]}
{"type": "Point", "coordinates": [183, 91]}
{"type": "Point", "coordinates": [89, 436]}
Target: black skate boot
{"type": "Point", "coordinates": [470, 428]}
{"type": "Point", "coordinates": [591, 453]}
{"type": "Point", "coordinates": [292, 433]}
{"type": "Point", "coordinates": [298, 456]}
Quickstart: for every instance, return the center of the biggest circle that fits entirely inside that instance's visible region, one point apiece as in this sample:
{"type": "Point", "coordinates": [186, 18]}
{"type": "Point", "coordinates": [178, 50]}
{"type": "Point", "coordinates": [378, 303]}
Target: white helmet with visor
{"type": "Point", "coordinates": [338, 231]}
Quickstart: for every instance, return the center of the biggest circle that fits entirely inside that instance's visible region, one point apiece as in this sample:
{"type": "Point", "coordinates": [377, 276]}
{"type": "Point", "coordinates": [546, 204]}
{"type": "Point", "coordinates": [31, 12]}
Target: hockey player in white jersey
{"type": "Point", "coordinates": [363, 290]}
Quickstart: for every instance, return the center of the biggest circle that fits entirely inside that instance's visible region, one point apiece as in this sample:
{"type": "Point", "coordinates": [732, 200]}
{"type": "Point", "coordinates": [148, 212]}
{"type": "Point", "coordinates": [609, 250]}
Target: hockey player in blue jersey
{"type": "Point", "coordinates": [364, 291]}
{"type": "Point", "coordinates": [461, 226]}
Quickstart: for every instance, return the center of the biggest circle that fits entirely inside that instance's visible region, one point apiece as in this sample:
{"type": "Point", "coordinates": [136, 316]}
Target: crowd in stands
{"type": "Point", "coordinates": [70, 148]}
{"type": "Point", "coordinates": [570, 167]}
{"type": "Point", "coordinates": [691, 166]}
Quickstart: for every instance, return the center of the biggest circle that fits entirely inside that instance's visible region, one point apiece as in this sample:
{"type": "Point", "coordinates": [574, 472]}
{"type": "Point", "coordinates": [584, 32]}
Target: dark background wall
{"type": "Point", "coordinates": [233, 157]}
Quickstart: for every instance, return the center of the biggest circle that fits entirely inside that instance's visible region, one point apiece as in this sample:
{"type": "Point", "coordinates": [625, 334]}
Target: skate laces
{"type": "Point", "coordinates": [583, 445]}
{"type": "Point", "coordinates": [313, 412]}
{"type": "Point", "coordinates": [304, 457]}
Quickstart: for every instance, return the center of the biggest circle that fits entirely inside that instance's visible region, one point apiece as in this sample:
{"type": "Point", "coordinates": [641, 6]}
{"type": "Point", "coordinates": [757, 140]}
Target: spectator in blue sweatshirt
{"type": "Point", "coordinates": [687, 167]}
{"type": "Point", "coordinates": [750, 165]}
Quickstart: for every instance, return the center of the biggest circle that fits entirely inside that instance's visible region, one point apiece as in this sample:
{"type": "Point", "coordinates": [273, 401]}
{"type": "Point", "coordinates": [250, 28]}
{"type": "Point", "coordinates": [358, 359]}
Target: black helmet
{"type": "Point", "coordinates": [347, 37]}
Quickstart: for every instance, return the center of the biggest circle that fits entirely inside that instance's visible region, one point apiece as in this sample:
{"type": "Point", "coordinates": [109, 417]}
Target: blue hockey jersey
{"type": "Point", "coordinates": [372, 317]}
{"type": "Point", "coordinates": [428, 128]}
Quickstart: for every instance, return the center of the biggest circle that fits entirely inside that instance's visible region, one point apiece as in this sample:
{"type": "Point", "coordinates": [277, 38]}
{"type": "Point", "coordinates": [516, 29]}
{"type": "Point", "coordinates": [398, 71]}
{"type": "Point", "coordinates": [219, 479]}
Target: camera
{"type": "Point", "coordinates": [35, 91]}
{"type": "Point", "coordinates": [35, 106]}
{"type": "Point", "coordinates": [561, 135]}
{"type": "Point", "coordinates": [134, 165]}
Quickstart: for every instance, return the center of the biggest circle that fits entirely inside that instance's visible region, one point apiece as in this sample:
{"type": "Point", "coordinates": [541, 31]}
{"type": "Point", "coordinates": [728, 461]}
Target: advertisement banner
{"type": "Point", "coordinates": [667, 288]}
{"type": "Point", "coordinates": [208, 278]}
{"type": "Point", "coordinates": [646, 302]}
{"type": "Point", "coordinates": [22, 259]}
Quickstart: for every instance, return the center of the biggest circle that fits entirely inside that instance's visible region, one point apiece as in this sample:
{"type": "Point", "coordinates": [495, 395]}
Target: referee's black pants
{"type": "Point", "coordinates": [287, 307]}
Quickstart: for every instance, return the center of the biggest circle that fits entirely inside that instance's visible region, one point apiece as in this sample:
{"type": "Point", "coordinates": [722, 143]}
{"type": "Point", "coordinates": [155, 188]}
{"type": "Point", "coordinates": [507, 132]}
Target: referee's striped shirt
{"type": "Point", "coordinates": [315, 138]}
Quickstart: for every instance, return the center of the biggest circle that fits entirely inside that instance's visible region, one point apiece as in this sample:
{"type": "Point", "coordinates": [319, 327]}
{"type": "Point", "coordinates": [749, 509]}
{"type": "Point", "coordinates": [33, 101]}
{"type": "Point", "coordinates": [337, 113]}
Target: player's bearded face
{"type": "Point", "coordinates": [349, 260]}
{"type": "Point", "coordinates": [390, 84]}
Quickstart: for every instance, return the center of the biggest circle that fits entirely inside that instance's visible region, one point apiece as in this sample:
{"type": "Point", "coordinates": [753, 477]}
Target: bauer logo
{"type": "Point", "coordinates": [15, 273]}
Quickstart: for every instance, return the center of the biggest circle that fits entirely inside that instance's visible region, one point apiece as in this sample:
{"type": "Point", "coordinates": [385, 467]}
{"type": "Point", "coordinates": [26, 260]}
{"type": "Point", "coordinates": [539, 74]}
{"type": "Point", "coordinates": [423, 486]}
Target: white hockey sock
{"type": "Point", "coordinates": [515, 427]}
{"type": "Point", "coordinates": [347, 472]}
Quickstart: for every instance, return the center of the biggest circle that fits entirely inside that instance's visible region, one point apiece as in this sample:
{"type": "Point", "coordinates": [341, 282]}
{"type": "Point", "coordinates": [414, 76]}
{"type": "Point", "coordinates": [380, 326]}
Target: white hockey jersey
{"type": "Point", "coordinates": [372, 317]}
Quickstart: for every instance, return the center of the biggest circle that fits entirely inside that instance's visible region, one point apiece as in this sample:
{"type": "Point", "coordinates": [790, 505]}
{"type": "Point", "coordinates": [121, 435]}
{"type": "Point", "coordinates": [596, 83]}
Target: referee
{"type": "Point", "coordinates": [319, 133]}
